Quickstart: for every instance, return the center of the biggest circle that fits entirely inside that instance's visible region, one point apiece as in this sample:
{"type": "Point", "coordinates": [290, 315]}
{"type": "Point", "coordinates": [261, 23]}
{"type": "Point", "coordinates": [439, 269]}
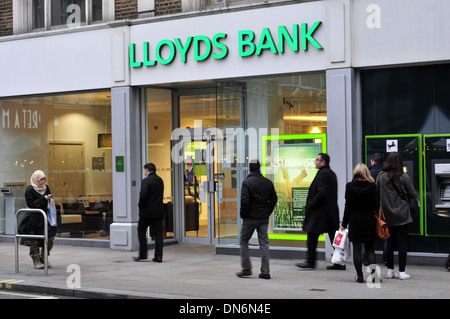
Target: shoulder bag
{"type": "Point", "coordinates": [382, 229]}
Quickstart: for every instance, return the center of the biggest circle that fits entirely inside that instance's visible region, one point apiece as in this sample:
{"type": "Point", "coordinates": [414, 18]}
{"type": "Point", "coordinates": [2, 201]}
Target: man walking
{"type": "Point", "coordinates": [322, 211]}
{"type": "Point", "coordinates": [151, 212]}
{"type": "Point", "coordinates": [258, 199]}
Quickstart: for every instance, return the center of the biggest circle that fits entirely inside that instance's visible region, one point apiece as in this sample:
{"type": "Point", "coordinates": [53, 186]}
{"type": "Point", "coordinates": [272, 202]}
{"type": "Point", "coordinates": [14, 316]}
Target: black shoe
{"type": "Point", "coordinates": [264, 276]}
{"type": "Point", "coordinates": [139, 258]}
{"type": "Point", "coordinates": [305, 265]}
{"type": "Point", "coordinates": [359, 279]}
{"type": "Point", "coordinates": [336, 267]}
{"type": "Point", "coordinates": [244, 273]}
{"type": "Point", "coordinates": [157, 260]}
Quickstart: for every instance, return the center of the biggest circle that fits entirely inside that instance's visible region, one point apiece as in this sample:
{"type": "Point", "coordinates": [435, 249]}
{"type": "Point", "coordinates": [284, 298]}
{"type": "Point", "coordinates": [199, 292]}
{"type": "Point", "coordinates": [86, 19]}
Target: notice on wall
{"type": "Point", "coordinates": [294, 171]}
{"type": "Point", "coordinates": [391, 146]}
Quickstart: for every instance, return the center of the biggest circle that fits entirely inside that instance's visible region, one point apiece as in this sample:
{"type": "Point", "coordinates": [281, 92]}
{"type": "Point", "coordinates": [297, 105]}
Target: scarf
{"type": "Point", "coordinates": [35, 178]}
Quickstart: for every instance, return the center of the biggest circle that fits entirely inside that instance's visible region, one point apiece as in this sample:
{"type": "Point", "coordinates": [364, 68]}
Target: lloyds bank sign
{"type": "Point", "coordinates": [296, 38]}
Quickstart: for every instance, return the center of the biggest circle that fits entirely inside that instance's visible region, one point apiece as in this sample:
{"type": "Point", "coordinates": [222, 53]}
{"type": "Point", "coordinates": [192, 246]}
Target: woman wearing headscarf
{"type": "Point", "coordinates": [37, 196]}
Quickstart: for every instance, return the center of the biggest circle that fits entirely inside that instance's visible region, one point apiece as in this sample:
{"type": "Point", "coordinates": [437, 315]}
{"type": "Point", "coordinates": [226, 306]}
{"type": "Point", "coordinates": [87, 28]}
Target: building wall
{"type": "Point", "coordinates": [126, 9]}
{"type": "Point", "coordinates": [163, 7]}
{"type": "Point", "coordinates": [6, 17]}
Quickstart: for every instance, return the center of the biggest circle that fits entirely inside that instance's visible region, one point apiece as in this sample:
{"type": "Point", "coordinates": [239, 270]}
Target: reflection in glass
{"type": "Point", "coordinates": [159, 130]}
{"type": "Point", "coordinates": [59, 135]}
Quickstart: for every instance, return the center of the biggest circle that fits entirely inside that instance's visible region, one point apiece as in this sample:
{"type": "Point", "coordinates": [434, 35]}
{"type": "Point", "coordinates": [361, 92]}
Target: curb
{"type": "Point", "coordinates": [77, 293]}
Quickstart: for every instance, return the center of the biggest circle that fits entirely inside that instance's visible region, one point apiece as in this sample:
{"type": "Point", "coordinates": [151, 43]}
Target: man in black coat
{"type": "Point", "coordinates": [151, 212]}
{"type": "Point", "coordinates": [258, 199]}
{"type": "Point", "coordinates": [376, 164]}
{"type": "Point", "coordinates": [322, 211]}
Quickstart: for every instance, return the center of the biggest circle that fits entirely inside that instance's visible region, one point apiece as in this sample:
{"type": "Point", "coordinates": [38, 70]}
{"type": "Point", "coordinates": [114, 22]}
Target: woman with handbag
{"type": "Point", "coordinates": [361, 200]}
{"type": "Point", "coordinates": [390, 182]}
{"type": "Point", "coordinates": [37, 195]}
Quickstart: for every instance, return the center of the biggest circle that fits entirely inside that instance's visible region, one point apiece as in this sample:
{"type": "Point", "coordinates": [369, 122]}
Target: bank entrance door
{"type": "Point", "coordinates": [208, 178]}
{"type": "Point", "coordinates": [199, 190]}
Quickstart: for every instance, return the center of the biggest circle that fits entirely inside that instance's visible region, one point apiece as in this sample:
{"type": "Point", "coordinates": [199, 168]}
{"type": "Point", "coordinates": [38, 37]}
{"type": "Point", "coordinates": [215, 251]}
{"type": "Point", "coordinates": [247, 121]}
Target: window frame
{"type": "Point", "coordinates": [23, 16]}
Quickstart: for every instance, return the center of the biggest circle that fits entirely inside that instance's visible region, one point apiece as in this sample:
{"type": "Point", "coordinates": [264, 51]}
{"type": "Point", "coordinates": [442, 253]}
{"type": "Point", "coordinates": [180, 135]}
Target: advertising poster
{"type": "Point", "coordinates": [294, 170]}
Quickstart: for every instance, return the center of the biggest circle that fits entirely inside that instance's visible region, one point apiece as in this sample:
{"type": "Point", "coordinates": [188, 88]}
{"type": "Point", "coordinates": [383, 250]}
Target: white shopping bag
{"type": "Point", "coordinates": [339, 238]}
{"type": "Point", "coordinates": [341, 254]}
{"type": "Point", "coordinates": [338, 256]}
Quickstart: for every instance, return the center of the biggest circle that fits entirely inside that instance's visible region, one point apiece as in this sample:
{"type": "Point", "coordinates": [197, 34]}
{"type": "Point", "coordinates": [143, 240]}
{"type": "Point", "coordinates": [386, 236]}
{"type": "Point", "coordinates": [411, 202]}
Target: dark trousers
{"type": "Point", "coordinates": [399, 238]}
{"type": "Point", "coordinates": [156, 226]}
{"type": "Point", "coordinates": [311, 243]}
{"type": "Point", "coordinates": [248, 227]}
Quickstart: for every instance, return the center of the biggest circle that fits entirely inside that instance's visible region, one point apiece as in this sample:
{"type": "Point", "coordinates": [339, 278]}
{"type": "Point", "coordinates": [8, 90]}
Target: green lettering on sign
{"type": "Point", "coordinates": [158, 50]}
{"type": "Point", "coordinates": [250, 35]}
{"type": "Point", "coordinates": [198, 56]}
{"type": "Point", "coordinates": [220, 46]}
{"type": "Point", "coordinates": [266, 42]}
{"type": "Point", "coordinates": [133, 63]}
{"type": "Point", "coordinates": [307, 36]}
{"type": "Point", "coordinates": [183, 49]}
{"type": "Point", "coordinates": [147, 62]}
{"type": "Point", "coordinates": [283, 36]}
{"type": "Point", "coordinates": [205, 47]}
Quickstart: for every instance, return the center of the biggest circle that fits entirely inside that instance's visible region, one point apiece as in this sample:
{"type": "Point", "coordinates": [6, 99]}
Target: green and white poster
{"type": "Point", "coordinates": [294, 170]}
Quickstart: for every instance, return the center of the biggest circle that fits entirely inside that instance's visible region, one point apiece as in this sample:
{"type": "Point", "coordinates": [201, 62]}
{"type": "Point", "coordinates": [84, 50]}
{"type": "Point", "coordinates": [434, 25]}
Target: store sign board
{"type": "Point", "coordinates": [199, 48]}
{"type": "Point", "coordinates": [275, 40]}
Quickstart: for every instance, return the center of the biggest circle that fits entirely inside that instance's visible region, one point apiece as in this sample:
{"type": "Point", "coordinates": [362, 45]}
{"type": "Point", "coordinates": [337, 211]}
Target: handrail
{"type": "Point", "coordinates": [17, 236]}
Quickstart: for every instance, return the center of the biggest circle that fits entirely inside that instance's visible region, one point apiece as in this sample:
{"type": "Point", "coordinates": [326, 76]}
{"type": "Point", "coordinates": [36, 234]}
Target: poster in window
{"type": "Point", "coordinates": [294, 170]}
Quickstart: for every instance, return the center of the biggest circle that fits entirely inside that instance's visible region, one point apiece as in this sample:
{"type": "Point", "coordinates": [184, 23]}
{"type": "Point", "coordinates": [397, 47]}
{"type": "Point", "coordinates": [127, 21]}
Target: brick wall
{"type": "Point", "coordinates": [163, 7]}
{"type": "Point", "coordinates": [126, 9]}
{"type": "Point", "coordinates": [6, 17]}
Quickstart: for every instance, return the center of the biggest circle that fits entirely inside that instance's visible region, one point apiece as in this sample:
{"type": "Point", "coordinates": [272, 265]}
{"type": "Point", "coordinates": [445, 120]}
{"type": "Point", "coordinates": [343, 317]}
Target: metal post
{"type": "Point", "coordinates": [17, 236]}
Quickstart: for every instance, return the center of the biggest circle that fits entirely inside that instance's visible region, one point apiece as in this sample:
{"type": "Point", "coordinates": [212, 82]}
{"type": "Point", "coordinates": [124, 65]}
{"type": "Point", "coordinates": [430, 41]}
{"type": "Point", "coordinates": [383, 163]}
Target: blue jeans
{"type": "Point", "coordinates": [248, 227]}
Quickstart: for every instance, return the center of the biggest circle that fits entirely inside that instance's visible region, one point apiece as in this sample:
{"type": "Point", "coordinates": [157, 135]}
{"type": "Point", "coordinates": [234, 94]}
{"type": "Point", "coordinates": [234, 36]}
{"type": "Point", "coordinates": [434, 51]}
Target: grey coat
{"type": "Point", "coordinates": [395, 209]}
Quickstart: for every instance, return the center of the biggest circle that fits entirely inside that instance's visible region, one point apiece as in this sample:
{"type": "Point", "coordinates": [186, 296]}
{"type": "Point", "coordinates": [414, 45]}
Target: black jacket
{"type": "Point", "coordinates": [33, 223]}
{"type": "Point", "coordinates": [375, 169]}
{"type": "Point", "coordinates": [258, 197]}
{"type": "Point", "coordinates": [322, 211]}
{"type": "Point", "coordinates": [151, 197]}
{"type": "Point", "coordinates": [361, 202]}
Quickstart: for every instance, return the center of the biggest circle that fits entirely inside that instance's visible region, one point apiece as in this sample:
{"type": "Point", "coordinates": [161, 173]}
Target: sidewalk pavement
{"type": "Point", "coordinates": [196, 272]}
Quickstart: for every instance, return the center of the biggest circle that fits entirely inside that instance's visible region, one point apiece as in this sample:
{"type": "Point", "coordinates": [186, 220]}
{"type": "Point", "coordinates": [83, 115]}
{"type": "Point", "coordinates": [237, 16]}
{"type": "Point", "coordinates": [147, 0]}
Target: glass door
{"type": "Point", "coordinates": [214, 163]}
{"type": "Point", "coordinates": [199, 188]}
{"type": "Point", "coordinates": [197, 117]}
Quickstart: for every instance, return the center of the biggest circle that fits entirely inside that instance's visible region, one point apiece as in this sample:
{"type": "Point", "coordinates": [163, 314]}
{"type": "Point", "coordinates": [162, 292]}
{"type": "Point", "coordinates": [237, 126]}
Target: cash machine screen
{"type": "Point", "coordinates": [445, 191]}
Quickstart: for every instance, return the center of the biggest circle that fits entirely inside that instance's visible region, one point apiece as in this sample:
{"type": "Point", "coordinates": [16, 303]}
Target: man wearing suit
{"type": "Point", "coordinates": [322, 211]}
{"type": "Point", "coordinates": [151, 212]}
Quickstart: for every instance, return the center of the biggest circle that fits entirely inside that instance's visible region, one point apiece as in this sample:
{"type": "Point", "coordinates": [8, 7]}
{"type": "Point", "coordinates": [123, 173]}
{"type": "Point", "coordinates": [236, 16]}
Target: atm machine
{"type": "Point", "coordinates": [410, 147]}
{"type": "Point", "coordinates": [437, 177]}
{"type": "Point", "coordinates": [441, 183]}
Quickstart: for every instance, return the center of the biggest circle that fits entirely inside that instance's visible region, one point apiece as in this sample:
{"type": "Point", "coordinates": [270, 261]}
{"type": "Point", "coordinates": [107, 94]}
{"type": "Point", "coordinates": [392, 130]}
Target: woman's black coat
{"type": "Point", "coordinates": [361, 202]}
{"type": "Point", "coordinates": [33, 223]}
